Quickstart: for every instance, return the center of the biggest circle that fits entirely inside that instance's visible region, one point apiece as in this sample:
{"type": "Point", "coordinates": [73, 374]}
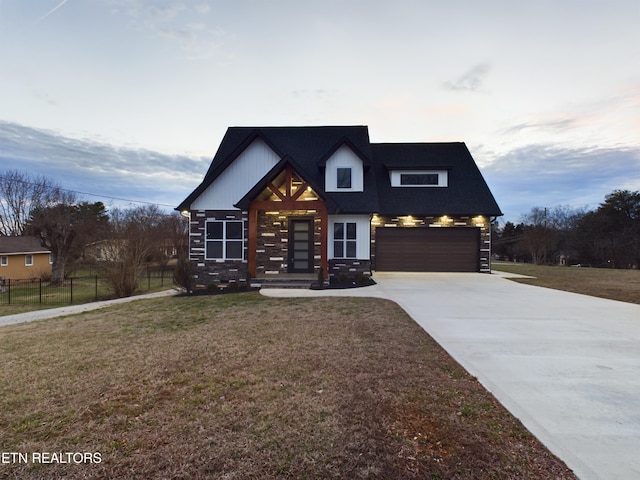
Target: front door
{"type": "Point", "coordinates": [301, 245]}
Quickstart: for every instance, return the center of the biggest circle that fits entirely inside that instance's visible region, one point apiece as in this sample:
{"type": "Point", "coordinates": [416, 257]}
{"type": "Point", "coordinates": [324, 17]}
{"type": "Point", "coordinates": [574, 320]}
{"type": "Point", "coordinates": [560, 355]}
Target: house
{"type": "Point", "coordinates": [23, 258]}
{"type": "Point", "coordinates": [286, 200]}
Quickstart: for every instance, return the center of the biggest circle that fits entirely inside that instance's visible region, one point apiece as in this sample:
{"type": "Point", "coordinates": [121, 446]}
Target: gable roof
{"type": "Point", "coordinates": [307, 149]}
{"type": "Point", "coordinates": [467, 192]}
{"type": "Point", "coordinates": [21, 245]}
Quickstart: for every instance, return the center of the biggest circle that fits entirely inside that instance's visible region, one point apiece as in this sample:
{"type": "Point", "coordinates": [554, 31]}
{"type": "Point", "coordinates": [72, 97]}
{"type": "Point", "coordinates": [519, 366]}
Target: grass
{"type": "Point", "coordinates": [245, 387]}
{"type": "Point", "coordinates": [622, 285]}
{"type": "Point", "coordinates": [27, 296]}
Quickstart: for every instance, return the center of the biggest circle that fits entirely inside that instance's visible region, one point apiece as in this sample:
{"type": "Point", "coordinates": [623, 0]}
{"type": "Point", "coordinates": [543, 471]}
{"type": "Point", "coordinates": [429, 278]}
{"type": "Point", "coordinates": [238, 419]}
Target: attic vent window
{"type": "Point", "coordinates": [418, 179]}
{"type": "Point", "coordinates": [344, 177]}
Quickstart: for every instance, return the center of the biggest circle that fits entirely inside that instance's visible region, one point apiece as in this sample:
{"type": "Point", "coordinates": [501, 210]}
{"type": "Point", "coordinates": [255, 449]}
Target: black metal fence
{"type": "Point", "coordinates": [75, 289]}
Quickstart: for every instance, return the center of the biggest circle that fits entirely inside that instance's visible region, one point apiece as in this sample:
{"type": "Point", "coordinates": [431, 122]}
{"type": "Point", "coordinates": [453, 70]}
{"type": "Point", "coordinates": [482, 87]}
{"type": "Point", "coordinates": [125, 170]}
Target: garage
{"type": "Point", "coordinates": [455, 249]}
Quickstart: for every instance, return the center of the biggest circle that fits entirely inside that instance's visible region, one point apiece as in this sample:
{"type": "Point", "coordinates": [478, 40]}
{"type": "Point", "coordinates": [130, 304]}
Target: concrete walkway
{"type": "Point", "coordinates": [72, 309]}
{"type": "Point", "coordinates": [566, 365]}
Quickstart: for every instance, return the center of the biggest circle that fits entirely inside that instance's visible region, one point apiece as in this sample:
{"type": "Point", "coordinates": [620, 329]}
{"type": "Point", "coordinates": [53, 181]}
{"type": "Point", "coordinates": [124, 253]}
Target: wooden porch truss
{"type": "Point", "coordinates": [289, 199]}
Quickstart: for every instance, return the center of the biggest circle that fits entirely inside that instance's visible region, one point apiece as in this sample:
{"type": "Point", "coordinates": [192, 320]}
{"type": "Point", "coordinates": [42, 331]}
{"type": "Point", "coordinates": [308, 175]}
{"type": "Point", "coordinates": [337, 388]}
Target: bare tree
{"type": "Point", "coordinates": [21, 194]}
{"type": "Point", "coordinates": [133, 241]}
{"type": "Point", "coordinates": [65, 228]}
{"type": "Point", "coordinates": [538, 237]}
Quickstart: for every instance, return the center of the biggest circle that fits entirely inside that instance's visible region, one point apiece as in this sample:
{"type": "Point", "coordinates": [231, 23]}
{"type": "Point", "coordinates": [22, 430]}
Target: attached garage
{"type": "Point", "coordinates": [451, 249]}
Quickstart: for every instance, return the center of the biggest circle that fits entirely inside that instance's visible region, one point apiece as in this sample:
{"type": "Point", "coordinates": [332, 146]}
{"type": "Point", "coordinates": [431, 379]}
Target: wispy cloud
{"type": "Point", "coordinates": [89, 166]}
{"type": "Point", "coordinates": [551, 175]}
{"type": "Point", "coordinates": [471, 81]}
{"type": "Point", "coordinates": [184, 24]}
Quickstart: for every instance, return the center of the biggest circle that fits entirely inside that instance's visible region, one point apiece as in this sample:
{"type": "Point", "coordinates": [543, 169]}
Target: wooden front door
{"type": "Point", "coordinates": [301, 245]}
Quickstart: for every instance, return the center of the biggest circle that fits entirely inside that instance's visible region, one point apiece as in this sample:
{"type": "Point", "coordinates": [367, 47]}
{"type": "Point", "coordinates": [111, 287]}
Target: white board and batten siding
{"type": "Point", "coordinates": [238, 178]}
{"type": "Point", "coordinates": [363, 233]}
{"type": "Point", "coordinates": [344, 158]}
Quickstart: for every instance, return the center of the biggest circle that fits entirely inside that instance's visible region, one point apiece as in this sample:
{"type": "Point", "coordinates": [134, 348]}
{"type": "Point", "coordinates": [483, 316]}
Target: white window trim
{"type": "Point", "coordinates": [344, 240]}
{"type": "Point", "coordinates": [26, 257]}
{"type": "Point", "coordinates": [224, 240]}
{"type": "Point", "coordinates": [4, 261]}
{"type": "Point", "coordinates": [443, 178]}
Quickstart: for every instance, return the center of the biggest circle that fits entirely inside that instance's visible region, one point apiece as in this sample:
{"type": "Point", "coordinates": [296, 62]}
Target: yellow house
{"type": "Point", "coordinates": [23, 257]}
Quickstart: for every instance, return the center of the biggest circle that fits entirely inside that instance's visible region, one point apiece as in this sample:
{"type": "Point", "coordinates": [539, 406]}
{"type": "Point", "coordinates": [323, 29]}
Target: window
{"type": "Point", "coordinates": [344, 177]}
{"type": "Point", "coordinates": [224, 240]}
{"type": "Point", "coordinates": [4, 260]}
{"type": "Point", "coordinates": [28, 260]}
{"type": "Point", "coordinates": [344, 240]}
{"type": "Point", "coordinates": [418, 179]}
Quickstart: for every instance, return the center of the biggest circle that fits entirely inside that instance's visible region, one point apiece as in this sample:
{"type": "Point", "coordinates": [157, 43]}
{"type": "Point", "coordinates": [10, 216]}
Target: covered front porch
{"type": "Point", "coordinates": [287, 229]}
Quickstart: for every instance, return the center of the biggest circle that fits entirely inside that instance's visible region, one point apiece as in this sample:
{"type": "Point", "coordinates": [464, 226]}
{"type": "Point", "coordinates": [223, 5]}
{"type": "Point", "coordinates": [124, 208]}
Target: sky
{"type": "Point", "coordinates": [127, 100]}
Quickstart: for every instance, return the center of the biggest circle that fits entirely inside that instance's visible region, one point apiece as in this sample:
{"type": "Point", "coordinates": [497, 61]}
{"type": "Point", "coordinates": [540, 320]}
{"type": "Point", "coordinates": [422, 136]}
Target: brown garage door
{"type": "Point", "coordinates": [454, 249]}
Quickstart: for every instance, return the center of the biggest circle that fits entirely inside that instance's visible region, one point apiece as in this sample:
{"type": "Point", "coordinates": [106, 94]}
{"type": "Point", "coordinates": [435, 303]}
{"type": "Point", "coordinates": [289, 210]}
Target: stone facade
{"type": "Point", "coordinates": [215, 271]}
{"type": "Point", "coordinates": [273, 240]}
{"type": "Point", "coordinates": [348, 268]}
{"type": "Point", "coordinates": [481, 222]}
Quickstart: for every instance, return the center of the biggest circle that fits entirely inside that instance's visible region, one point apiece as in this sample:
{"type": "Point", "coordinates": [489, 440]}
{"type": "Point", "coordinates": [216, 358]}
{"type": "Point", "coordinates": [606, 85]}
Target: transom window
{"type": "Point", "coordinates": [344, 240]}
{"type": "Point", "coordinates": [343, 177]}
{"type": "Point", "coordinates": [224, 240]}
{"type": "Point", "coordinates": [418, 179]}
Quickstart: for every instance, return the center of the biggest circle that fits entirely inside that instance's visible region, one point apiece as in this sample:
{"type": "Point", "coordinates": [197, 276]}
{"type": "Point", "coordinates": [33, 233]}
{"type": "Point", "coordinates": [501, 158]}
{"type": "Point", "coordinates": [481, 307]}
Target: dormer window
{"type": "Point", "coordinates": [419, 178]}
{"type": "Point", "coordinates": [343, 177]}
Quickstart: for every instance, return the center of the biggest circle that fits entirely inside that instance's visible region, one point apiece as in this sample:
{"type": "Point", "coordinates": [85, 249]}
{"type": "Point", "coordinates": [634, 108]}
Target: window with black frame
{"type": "Point", "coordinates": [344, 177]}
{"type": "Point", "coordinates": [224, 240]}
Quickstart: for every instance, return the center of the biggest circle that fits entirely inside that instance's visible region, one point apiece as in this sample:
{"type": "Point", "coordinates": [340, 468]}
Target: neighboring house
{"type": "Point", "coordinates": [23, 257]}
{"type": "Point", "coordinates": [280, 200]}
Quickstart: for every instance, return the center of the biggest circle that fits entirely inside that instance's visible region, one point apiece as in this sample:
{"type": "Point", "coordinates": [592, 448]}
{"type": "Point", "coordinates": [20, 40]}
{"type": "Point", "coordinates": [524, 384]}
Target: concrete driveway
{"type": "Point", "coordinates": [566, 365]}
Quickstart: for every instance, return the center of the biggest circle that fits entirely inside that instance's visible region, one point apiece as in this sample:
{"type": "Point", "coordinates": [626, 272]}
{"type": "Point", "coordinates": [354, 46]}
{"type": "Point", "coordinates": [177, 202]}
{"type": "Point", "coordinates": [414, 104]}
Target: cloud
{"type": "Point", "coordinates": [88, 166]}
{"type": "Point", "coordinates": [181, 23]}
{"type": "Point", "coordinates": [471, 81]}
{"type": "Point", "coordinates": [550, 175]}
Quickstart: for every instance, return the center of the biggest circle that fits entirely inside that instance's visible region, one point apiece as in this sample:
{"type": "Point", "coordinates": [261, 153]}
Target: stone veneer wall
{"type": "Point", "coordinates": [349, 268]}
{"type": "Point", "coordinates": [215, 271]}
{"type": "Point", "coordinates": [451, 222]}
{"type": "Point", "coordinates": [273, 240]}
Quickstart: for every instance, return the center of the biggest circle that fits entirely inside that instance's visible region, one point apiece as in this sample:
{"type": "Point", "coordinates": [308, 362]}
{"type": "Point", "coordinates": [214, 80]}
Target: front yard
{"type": "Point", "coordinates": [622, 285]}
{"type": "Point", "coordinates": [243, 386]}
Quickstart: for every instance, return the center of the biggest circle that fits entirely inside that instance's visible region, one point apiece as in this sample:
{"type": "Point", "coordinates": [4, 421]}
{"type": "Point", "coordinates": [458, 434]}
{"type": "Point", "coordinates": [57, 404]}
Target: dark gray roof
{"type": "Point", "coordinates": [308, 148]}
{"type": "Point", "coordinates": [467, 192]}
{"type": "Point", "coordinates": [18, 245]}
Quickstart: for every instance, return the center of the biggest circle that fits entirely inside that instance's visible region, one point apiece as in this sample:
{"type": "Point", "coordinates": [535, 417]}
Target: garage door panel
{"type": "Point", "coordinates": [427, 249]}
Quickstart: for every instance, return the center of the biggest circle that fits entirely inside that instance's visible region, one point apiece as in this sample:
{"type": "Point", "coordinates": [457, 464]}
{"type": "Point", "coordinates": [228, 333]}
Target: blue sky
{"type": "Point", "coordinates": [130, 99]}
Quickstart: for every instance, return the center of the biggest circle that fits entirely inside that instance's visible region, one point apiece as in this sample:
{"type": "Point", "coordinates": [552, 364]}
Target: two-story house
{"type": "Point", "coordinates": [287, 200]}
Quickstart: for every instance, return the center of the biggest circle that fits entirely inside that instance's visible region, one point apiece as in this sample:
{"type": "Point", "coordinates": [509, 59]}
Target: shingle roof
{"type": "Point", "coordinates": [308, 148]}
{"type": "Point", "coordinates": [21, 245]}
{"type": "Point", "coordinates": [466, 194]}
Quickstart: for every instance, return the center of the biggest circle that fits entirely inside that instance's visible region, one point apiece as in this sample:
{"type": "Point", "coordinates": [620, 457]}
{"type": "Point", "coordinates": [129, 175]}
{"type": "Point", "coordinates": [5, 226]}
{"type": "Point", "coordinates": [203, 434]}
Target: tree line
{"type": "Point", "coordinates": [128, 239]}
{"type": "Point", "coordinates": [608, 236]}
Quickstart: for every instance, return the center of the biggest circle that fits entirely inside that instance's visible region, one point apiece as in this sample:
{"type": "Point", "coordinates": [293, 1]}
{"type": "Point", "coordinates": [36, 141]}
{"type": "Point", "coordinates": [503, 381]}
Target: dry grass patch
{"type": "Point", "coordinates": [243, 386]}
{"type": "Point", "coordinates": [622, 285]}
